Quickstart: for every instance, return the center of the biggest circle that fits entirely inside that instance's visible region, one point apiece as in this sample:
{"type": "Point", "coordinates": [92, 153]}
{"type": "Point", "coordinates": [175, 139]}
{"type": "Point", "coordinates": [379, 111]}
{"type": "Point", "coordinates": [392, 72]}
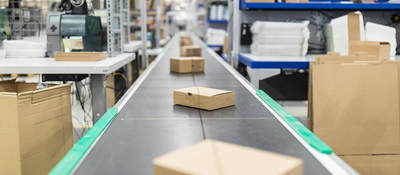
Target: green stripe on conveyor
{"type": "Point", "coordinates": [72, 158]}
{"type": "Point", "coordinates": [303, 131]}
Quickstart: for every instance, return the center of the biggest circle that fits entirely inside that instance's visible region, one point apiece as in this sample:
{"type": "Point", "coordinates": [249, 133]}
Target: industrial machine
{"type": "Point", "coordinates": [74, 21]}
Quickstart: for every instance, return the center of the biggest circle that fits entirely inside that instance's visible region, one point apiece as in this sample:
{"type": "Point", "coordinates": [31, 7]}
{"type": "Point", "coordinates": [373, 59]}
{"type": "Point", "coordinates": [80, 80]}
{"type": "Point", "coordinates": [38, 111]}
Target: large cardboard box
{"type": "Point", "coordinates": [355, 107]}
{"type": "Point", "coordinates": [186, 64]}
{"type": "Point", "coordinates": [374, 164]}
{"type": "Point", "coordinates": [204, 98]}
{"type": "Point", "coordinates": [379, 50]}
{"type": "Point", "coordinates": [191, 51]}
{"type": "Point", "coordinates": [217, 158]}
{"type": "Point", "coordinates": [35, 127]}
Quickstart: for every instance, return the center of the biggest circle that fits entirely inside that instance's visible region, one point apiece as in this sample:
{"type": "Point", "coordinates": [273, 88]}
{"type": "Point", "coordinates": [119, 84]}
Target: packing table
{"type": "Point", "coordinates": [97, 70]}
{"type": "Point", "coordinates": [145, 124]}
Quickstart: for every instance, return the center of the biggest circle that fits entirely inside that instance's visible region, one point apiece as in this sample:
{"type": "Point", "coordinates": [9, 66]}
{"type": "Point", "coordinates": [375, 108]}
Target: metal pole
{"type": "Point", "coordinates": [236, 33]}
{"type": "Point", "coordinates": [158, 30]}
{"type": "Point", "coordinates": [143, 15]}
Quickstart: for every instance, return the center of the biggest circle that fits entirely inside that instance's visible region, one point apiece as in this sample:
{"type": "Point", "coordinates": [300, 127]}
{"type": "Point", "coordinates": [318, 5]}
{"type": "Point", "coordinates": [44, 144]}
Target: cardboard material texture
{"type": "Point", "coordinates": [374, 164]}
{"type": "Point", "coordinates": [110, 91]}
{"type": "Point", "coordinates": [80, 56]}
{"type": "Point", "coordinates": [379, 50]}
{"type": "Point", "coordinates": [355, 107]}
{"type": "Point", "coordinates": [186, 64]}
{"type": "Point", "coordinates": [260, 0]}
{"type": "Point", "coordinates": [204, 98]}
{"type": "Point", "coordinates": [217, 158]}
{"type": "Point", "coordinates": [225, 47]}
{"type": "Point", "coordinates": [35, 127]}
{"type": "Point", "coordinates": [191, 51]}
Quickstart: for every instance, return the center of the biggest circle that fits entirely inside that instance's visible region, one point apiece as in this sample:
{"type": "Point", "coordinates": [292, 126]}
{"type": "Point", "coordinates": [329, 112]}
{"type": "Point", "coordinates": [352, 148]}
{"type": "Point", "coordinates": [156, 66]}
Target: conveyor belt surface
{"type": "Point", "coordinates": [149, 125]}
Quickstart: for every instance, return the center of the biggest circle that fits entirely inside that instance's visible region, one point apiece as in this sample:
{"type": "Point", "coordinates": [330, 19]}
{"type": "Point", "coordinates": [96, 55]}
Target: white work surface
{"type": "Point", "coordinates": [306, 58]}
{"type": "Point", "coordinates": [132, 46]}
{"type": "Point", "coordinates": [50, 66]}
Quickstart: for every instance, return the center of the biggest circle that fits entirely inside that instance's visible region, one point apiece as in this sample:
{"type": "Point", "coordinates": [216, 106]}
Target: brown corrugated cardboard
{"type": "Point", "coordinates": [225, 47]}
{"type": "Point", "coordinates": [191, 51]}
{"type": "Point", "coordinates": [354, 27]}
{"type": "Point", "coordinates": [217, 158]}
{"type": "Point", "coordinates": [374, 164]}
{"type": "Point", "coordinates": [204, 98]}
{"type": "Point", "coordinates": [186, 64]}
{"type": "Point", "coordinates": [355, 107]}
{"type": "Point", "coordinates": [36, 128]}
{"type": "Point", "coordinates": [260, 0]}
{"type": "Point", "coordinates": [110, 91]}
{"type": "Point", "coordinates": [80, 56]}
{"type": "Point", "coordinates": [377, 50]}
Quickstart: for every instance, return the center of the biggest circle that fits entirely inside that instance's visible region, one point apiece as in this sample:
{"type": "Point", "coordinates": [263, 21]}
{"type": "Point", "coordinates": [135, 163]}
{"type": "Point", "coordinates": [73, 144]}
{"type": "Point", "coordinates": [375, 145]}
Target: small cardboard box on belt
{"type": "Point", "coordinates": [217, 158]}
{"type": "Point", "coordinates": [191, 51]}
{"type": "Point", "coordinates": [35, 127]}
{"type": "Point", "coordinates": [204, 98]}
{"type": "Point", "coordinates": [186, 64]}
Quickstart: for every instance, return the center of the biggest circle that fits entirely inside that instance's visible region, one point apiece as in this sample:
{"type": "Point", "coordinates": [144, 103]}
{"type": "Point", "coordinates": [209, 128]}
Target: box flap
{"type": "Point", "coordinates": [8, 86]}
{"type": "Point", "coordinates": [203, 91]}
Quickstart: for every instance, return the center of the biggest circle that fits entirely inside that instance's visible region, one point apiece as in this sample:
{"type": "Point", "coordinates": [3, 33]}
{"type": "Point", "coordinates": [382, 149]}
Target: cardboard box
{"type": "Point", "coordinates": [217, 158]}
{"type": "Point", "coordinates": [185, 41]}
{"type": "Point", "coordinates": [204, 98]}
{"type": "Point", "coordinates": [110, 91]}
{"type": "Point", "coordinates": [354, 107]}
{"type": "Point", "coordinates": [374, 164]}
{"type": "Point", "coordinates": [260, 1]}
{"type": "Point", "coordinates": [225, 47]}
{"type": "Point", "coordinates": [191, 51]}
{"type": "Point", "coordinates": [378, 50]}
{"type": "Point", "coordinates": [35, 127]}
{"type": "Point", "coordinates": [186, 64]}
{"type": "Point", "coordinates": [80, 56]}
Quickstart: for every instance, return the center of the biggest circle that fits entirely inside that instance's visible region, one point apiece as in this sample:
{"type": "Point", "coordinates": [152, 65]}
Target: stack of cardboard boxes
{"type": "Point", "coordinates": [354, 106]}
{"type": "Point", "coordinates": [190, 60]}
{"type": "Point", "coordinates": [35, 127]}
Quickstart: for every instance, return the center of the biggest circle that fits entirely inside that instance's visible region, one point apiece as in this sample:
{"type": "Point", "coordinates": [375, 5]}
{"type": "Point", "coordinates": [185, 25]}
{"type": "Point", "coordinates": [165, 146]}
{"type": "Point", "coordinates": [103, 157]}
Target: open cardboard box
{"type": "Point", "coordinates": [35, 127]}
{"type": "Point", "coordinates": [217, 158]}
{"type": "Point", "coordinates": [204, 98]}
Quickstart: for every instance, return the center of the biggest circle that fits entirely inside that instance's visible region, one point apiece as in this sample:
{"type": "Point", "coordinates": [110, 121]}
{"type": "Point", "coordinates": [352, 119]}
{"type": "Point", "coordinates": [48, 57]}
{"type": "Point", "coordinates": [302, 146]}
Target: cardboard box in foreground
{"type": "Point", "coordinates": [374, 164]}
{"type": "Point", "coordinates": [204, 98]}
{"type": "Point", "coordinates": [186, 64]}
{"type": "Point", "coordinates": [216, 158]}
{"type": "Point", "coordinates": [35, 127]}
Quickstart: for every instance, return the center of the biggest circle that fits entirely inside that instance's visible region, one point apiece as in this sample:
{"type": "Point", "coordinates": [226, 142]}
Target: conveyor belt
{"type": "Point", "coordinates": [149, 125]}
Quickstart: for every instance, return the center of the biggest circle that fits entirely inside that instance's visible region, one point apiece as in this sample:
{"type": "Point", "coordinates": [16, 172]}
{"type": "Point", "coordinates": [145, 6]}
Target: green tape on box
{"type": "Point", "coordinates": [72, 158]}
{"type": "Point", "coordinates": [296, 125]}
